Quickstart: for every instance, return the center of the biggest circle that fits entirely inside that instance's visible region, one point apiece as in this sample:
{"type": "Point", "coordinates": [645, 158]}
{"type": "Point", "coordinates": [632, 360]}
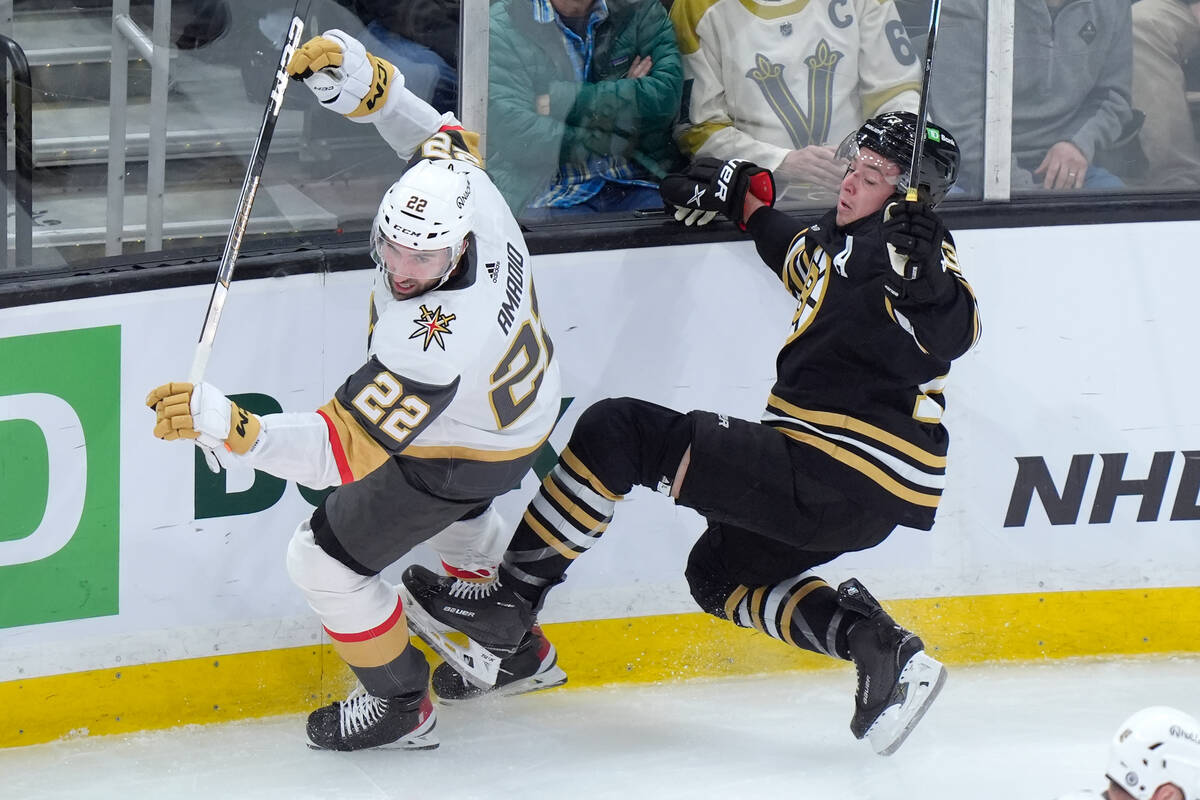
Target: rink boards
{"type": "Point", "coordinates": [138, 591]}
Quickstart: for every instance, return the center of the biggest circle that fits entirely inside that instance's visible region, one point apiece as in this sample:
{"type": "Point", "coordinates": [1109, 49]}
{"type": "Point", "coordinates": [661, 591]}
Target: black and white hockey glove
{"type": "Point", "coordinates": [914, 234]}
{"type": "Point", "coordinates": [710, 186]}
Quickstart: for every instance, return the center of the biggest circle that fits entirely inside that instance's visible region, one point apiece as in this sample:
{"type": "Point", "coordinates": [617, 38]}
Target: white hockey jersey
{"type": "Point", "coordinates": [461, 375]}
{"type": "Point", "coordinates": [464, 372]}
{"type": "Point", "coordinates": [763, 77]}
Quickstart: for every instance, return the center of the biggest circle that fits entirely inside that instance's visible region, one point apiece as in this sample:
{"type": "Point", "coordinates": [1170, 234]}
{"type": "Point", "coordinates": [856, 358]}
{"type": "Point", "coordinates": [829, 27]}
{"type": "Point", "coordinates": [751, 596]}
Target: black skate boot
{"type": "Point", "coordinates": [494, 618]}
{"type": "Point", "coordinates": [897, 680]}
{"type": "Point", "coordinates": [363, 721]}
{"type": "Point", "coordinates": [534, 666]}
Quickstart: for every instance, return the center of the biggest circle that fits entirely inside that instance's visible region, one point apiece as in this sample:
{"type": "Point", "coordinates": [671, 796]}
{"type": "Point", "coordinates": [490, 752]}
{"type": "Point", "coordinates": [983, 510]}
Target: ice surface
{"type": "Point", "coordinates": [1005, 731]}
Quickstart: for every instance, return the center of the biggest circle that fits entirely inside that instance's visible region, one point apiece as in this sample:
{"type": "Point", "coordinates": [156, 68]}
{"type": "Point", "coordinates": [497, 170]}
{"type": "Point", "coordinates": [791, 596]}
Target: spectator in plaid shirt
{"type": "Point", "coordinates": [583, 97]}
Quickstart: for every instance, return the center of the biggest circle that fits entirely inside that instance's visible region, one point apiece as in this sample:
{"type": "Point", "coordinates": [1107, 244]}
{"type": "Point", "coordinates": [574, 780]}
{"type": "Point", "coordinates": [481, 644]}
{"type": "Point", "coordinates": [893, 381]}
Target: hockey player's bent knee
{"type": "Point", "coordinates": [345, 600]}
{"type": "Point", "coordinates": [625, 441]}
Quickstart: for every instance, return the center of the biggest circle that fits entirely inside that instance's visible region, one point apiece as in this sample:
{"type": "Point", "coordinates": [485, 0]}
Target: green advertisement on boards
{"type": "Point", "coordinates": [60, 466]}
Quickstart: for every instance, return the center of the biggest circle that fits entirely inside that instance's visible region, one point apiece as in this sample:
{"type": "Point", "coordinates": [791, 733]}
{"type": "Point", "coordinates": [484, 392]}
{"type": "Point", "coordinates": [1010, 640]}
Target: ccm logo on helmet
{"type": "Point", "coordinates": [725, 176]}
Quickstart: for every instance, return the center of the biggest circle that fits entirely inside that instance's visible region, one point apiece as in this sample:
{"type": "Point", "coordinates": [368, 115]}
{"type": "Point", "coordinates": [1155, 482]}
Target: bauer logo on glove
{"type": "Point", "coordinates": [711, 186]}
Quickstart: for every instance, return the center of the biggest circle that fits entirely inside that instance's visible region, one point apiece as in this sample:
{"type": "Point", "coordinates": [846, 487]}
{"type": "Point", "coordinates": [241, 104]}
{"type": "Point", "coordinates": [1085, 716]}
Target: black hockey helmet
{"type": "Point", "coordinates": [891, 135]}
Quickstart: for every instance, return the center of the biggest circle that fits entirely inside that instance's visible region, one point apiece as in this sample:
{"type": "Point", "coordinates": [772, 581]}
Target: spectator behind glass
{"type": "Point", "coordinates": [1072, 63]}
{"type": "Point", "coordinates": [581, 102]}
{"type": "Point", "coordinates": [1154, 755]}
{"type": "Point", "coordinates": [1166, 33]}
{"type": "Point", "coordinates": [421, 38]}
{"type": "Point", "coordinates": [782, 83]}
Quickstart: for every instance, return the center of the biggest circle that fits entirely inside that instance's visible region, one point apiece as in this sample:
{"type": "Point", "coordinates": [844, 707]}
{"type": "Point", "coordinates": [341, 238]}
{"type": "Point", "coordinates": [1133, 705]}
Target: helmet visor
{"type": "Point", "coordinates": [867, 161]}
{"type": "Point", "coordinates": [407, 263]}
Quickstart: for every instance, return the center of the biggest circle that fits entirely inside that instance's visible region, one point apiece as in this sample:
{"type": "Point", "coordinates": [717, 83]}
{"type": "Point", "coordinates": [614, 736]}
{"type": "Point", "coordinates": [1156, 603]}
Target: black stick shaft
{"type": "Point", "coordinates": [935, 13]}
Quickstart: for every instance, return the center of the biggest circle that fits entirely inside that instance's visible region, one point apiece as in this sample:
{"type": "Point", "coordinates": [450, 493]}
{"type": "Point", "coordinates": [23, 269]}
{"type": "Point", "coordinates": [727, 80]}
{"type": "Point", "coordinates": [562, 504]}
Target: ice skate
{"type": "Point", "coordinates": [897, 680]}
{"type": "Point", "coordinates": [493, 617]}
{"type": "Point", "coordinates": [533, 667]}
{"type": "Point", "coordinates": [363, 721]}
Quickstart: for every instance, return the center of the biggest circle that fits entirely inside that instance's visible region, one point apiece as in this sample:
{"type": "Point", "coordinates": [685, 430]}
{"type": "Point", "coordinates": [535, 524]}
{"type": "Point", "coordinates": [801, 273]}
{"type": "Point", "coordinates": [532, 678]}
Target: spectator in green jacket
{"type": "Point", "coordinates": [582, 98]}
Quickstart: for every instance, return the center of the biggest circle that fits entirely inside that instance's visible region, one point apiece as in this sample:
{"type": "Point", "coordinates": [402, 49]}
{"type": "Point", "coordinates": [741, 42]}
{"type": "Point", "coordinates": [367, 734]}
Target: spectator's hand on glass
{"type": "Point", "coordinates": [640, 67]}
{"type": "Point", "coordinates": [813, 164]}
{"type": "Point", "coordinates": [541, 104]}
{"type": "Point", "coordinates": [1064, 167]}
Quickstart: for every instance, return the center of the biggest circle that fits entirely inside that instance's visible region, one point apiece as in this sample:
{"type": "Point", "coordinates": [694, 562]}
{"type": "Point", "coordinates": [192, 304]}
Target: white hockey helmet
{"type": "Point", "coordinates": [1156, 746]}
{"type": "Point", "coordinates": [430, 208]}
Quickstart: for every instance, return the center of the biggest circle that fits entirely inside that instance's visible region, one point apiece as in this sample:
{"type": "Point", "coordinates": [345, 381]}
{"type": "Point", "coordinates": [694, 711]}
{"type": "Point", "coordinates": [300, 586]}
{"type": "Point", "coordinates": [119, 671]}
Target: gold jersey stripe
{"type": "Point", "coordinates": [872, 101]}
{"type": "Point", "coordinates": [548, 537]}
{"type": "Point", "coordinates": [785, 619]}
{"type": "Point", "coordinates": [364, 455]}
{"type": "Point", "coordinates": [858, 426]}
{"type": "Point", "coordinates": [574, 509]}
{"type": "Point", "coordinates": [692, 139]}
{"type": "Point", "coordinates": [866, 468]}
{"type": "Point", "coordinates": [734, 598]}
{"type": "Point", "coordinates": [471, 139]}
{"type": "Point", "coordinates": [579, 469]}
{"type": "Point", "coordinates": [685, 16]}
{"type": "Point", "coordinates": [774, 11]}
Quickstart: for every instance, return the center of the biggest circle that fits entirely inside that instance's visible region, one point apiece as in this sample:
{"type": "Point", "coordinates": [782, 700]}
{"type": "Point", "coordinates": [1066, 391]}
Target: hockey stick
{"type": "Point", "coordinates": [241, 217]}
{"type": "Point", "coordinates": [935, 14]}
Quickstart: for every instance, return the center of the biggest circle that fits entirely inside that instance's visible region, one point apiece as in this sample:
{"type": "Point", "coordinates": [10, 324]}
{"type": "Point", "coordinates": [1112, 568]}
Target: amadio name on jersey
{"type": "Point", "coordinates": [1061, 495]}
{"type": "Point", "coordinates": [514, 289]}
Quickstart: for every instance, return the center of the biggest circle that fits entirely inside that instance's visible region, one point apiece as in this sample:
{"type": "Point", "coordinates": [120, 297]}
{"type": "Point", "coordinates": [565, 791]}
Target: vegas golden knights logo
{"type": "Point", "coordinates": [803, 128]}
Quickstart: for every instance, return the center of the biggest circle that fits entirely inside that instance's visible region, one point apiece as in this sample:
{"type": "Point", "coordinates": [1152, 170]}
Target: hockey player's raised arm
{"type": "Point", "coordinates": [925, 291]}
{"type": "Point", "coordinates": [365, 88]}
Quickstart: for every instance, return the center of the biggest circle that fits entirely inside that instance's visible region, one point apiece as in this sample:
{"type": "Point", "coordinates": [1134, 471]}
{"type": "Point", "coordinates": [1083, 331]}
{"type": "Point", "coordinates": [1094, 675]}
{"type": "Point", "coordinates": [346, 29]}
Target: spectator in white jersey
{"type": "Point", "coordinates": [1154, 755]}
{"type": "Point", "coordinates": [781, 84]}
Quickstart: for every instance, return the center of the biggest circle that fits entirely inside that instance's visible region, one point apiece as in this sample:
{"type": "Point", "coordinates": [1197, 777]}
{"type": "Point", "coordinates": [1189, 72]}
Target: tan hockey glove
{"type": "Point", "coordinates": [204, 414]}
{"type": "Point", "coordinates": [342, 74]}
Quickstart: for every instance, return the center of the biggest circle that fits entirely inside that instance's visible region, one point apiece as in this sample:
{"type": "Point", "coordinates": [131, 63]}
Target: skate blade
{"type": "Point", "coordinates": [474, 662]}
{"type": "Point", "coordinates": [535, 683]}
{"type": "Point", "coordinates": [924, 677]}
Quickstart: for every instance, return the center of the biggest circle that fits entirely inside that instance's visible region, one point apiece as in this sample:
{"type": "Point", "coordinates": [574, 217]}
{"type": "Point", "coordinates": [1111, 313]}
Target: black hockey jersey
{"type": "Point", "coordinates": [860, 378]}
